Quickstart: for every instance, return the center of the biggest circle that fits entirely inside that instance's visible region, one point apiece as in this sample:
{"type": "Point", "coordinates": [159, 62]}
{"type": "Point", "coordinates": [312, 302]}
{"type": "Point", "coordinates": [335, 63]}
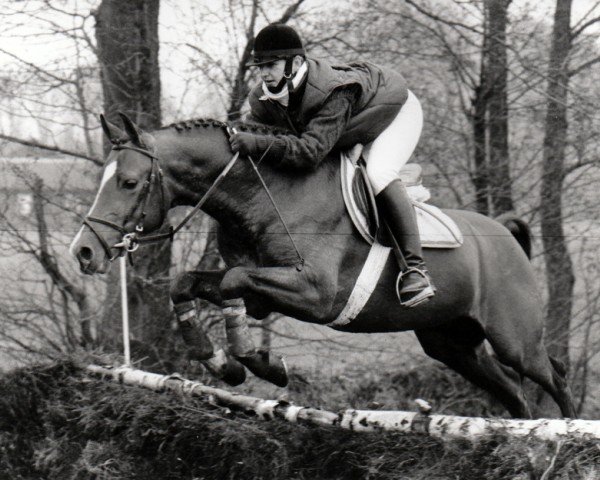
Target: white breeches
{"type": "Point", "coordinates": [392, 149]}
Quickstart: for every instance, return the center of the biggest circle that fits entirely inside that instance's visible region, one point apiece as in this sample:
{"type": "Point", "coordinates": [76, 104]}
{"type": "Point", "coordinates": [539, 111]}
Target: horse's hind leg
{"type": "Point", "coordinates": [516, 335]}
{"type": "Point", "coordinates": [544, 370]}
{"type": "Point", "coordinates": [463, 351]}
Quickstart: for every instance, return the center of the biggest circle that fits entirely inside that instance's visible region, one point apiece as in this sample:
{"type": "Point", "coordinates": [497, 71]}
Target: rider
{"type": "Point", "coordinates": [330, 107]}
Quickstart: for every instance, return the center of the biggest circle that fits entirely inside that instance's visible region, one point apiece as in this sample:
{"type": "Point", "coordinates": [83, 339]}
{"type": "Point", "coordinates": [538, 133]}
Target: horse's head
{"type": "Point", "coordinates": [132, 198]}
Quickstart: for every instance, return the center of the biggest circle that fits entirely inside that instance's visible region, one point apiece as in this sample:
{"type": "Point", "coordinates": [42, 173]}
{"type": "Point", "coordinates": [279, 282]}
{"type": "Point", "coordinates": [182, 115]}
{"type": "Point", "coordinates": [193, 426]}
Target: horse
{"type": "Point", "coordinates": [486, 289]}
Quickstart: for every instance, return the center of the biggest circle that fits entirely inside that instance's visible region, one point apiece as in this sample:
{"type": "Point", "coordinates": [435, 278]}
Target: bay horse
{"type": "Point", "coordinates": [486, 289]}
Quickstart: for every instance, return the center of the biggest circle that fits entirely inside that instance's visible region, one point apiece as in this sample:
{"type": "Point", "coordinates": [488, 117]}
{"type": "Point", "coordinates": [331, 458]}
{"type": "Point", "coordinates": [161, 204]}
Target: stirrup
{"type": "Point", "coordinates": [424, 295]}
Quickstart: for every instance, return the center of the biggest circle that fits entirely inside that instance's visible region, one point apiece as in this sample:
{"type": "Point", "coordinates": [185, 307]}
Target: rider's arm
{"type": "Point", "coordinates": [320, 136]}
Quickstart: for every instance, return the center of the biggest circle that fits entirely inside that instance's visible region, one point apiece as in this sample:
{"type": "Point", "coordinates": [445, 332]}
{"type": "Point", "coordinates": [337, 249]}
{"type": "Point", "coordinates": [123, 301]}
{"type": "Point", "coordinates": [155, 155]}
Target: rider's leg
{"type": "Point", "coordinates": [414, 284]}
{"type": "Point", "coordinates": [388, 154]}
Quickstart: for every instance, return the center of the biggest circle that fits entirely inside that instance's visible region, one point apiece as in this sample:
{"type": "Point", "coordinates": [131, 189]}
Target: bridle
{"type": "Point", "coordinates": [132, 240]}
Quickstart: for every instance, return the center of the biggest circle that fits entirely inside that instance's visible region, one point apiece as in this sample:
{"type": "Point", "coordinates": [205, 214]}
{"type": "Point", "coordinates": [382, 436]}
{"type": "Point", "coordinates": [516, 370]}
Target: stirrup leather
{"type": "Point", "coordinates": [422, 296]}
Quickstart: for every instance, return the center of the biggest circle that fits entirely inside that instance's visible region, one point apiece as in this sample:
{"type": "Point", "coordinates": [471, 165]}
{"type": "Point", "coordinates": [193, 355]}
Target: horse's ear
{"type": "Point", "coordinates": [113, 132]}
{"type": "Point", "coordinates": [134, 133]}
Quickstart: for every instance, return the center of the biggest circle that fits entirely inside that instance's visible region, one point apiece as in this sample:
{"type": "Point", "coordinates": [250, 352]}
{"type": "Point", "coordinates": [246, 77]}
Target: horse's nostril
{"type": "Point", "coordinates": [85, 253]}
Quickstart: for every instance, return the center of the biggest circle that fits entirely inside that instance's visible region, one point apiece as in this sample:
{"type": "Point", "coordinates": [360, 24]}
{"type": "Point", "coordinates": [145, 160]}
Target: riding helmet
{"type": "Point", "coordinates": [274, 42]}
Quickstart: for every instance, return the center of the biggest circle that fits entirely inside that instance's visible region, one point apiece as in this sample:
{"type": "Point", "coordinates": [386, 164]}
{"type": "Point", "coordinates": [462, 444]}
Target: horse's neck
{"type": "Point", "coordinates": [193, 160]}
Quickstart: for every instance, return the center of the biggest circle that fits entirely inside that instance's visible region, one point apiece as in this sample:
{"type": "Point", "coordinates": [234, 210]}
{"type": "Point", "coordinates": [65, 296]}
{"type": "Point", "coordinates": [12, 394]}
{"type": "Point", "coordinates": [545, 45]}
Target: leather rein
{"type": "Point", "coordinates": [132, 240]}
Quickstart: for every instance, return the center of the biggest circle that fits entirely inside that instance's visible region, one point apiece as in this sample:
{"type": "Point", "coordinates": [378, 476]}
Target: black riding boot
{"type": "Point", "coordinates": [413, 285]}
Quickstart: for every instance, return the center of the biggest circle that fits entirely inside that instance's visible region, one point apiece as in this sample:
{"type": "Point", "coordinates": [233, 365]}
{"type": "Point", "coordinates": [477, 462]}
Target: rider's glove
{"type": "Point", "coordinates": [243, 142]}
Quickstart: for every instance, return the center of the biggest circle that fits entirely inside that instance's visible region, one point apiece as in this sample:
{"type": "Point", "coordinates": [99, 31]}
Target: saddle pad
{"type": "Point", "coordinates": [436, 229]}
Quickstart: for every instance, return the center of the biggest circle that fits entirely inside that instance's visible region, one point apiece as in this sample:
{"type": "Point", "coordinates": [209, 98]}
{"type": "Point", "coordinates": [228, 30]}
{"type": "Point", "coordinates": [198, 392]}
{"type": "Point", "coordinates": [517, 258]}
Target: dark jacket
{"type": "Point", "coordinates": [380, 93]}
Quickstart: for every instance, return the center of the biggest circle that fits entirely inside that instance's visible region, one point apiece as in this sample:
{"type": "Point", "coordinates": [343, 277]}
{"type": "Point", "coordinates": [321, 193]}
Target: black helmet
{"type": "Point", "coordinates": [275, 41]}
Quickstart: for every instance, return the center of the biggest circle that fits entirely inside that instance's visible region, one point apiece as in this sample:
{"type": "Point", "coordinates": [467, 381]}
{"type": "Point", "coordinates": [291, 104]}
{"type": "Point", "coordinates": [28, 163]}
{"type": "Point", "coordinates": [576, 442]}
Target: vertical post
{"type": "Point", "coordinates": [125, 309]}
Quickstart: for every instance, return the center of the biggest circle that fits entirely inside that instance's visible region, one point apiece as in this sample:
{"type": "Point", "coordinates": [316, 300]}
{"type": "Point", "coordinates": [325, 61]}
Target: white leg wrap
{"type": "Point", "coordinates": [239, 338]}
{"type": "Point", "coordinates": [185, 310]}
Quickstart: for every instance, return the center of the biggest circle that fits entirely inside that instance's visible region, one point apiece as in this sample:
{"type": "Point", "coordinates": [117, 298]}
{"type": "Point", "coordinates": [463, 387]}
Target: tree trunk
{"type": "Point", "coordinates": [559, 268]}
{"type": "Point", "coordinates": [127, 36]}
{"type": "Point", "coordinates": [480, 174]}
{"type": "Point", "coordinates": [497, 105]}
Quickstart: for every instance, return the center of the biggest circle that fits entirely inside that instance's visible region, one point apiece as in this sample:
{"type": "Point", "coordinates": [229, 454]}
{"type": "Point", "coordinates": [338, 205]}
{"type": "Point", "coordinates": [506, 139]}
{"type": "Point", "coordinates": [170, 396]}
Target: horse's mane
{"type": "Point", "coordinates": [187, 125]}
{"type": "Point", "coordinates": [258, 128]}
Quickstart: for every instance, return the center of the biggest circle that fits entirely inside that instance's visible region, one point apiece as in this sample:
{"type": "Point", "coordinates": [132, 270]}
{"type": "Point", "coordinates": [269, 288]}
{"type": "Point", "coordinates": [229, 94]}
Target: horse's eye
{"type": "Point", "coordinates": [130, 184]}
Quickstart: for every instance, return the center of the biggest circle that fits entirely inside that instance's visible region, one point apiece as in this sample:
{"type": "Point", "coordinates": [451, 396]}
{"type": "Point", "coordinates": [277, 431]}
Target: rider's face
{"type": "Point", "coordinates": [272, 73]}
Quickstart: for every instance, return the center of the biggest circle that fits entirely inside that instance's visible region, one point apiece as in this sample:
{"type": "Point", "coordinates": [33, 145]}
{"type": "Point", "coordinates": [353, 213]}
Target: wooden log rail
{"type": "Point", "coordinates": [440, 426]}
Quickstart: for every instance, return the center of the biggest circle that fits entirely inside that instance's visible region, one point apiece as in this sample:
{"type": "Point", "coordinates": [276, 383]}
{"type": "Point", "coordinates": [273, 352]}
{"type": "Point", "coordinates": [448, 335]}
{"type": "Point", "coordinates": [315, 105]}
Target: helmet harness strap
{"type": "Point", "coordinates": [288, 75]}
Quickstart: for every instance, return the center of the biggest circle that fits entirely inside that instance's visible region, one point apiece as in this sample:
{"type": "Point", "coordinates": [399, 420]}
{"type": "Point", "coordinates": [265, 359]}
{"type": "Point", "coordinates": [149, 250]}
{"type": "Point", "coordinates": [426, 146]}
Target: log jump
{"type": "Point", "coordinates": [438, 426]}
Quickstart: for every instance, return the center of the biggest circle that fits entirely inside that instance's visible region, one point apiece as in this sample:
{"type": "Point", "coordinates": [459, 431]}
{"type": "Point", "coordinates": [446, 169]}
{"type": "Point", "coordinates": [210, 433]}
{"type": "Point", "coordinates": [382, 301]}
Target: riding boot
{"type": "Point", "coordinates": [413, 285]}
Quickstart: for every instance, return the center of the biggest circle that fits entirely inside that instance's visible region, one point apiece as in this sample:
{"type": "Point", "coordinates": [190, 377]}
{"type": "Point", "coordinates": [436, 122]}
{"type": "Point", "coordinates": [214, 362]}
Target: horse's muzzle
{"type": "Point", "coordinates": [92, 258]}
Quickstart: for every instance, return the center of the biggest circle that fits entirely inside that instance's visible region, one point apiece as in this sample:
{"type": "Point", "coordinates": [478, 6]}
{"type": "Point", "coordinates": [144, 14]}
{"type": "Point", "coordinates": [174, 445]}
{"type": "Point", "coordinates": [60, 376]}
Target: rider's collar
{"type": "Point", "coordinates": [283, 96]}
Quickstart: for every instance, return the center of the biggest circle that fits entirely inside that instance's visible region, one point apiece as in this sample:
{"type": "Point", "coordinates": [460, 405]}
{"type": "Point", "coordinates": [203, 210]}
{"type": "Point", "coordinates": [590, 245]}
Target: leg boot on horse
{"type": "Point", "coordinates": [218, 363]}
{"type": "Point", "coordinates": [413, 285]}
{"type": "Point", "coordinates": [268, 367]}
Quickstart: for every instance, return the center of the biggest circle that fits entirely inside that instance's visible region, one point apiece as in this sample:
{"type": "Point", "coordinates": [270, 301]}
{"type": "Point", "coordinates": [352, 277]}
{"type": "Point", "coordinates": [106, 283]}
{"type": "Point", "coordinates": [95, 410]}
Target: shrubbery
{"type": "Point", "coordinates": [57, 423]}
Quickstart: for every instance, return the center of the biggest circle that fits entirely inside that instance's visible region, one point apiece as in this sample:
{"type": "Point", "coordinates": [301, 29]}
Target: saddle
{"type": "Point", "coordinates": [436, 229]}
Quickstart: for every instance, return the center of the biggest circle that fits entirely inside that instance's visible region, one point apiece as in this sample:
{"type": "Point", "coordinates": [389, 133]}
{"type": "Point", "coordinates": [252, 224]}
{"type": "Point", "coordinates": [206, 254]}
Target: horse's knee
{"type": "Point", "coordinates": [180, 289]}
{"type": "Point", "coordinates": [234, 283]}
{"type": "Point", "coordinates": [197, 284]}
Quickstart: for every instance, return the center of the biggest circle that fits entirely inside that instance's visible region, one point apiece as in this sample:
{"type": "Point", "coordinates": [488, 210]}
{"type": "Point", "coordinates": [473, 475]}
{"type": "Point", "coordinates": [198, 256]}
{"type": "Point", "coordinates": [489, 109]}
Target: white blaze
{"type": "Point", "coordinates": [109, 172]}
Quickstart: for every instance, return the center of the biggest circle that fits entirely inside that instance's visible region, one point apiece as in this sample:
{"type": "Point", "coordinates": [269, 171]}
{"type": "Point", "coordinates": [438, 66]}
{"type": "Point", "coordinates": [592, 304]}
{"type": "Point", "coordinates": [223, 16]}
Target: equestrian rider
{"type": "Point", "coordinates": [330, 107]}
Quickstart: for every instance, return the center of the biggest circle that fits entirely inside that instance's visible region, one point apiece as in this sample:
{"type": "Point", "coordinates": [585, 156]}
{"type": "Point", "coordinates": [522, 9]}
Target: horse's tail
{"type": "Point", "coordinates": [519, 229]}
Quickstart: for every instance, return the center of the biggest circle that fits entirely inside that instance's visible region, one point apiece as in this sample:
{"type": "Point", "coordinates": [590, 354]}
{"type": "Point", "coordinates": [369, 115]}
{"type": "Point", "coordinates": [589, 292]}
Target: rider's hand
{"type": "Point", "coordinates": [243, 142]}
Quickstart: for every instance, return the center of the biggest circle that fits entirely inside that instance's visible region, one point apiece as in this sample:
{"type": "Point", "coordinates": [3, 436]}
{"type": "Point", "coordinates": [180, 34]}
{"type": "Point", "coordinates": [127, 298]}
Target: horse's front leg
{"type": "Point", "coordinates": [184, 290]}
{"type": "Point", "coordinates": [241, 349]}
{"type": "Point", "coordinates": [306, 294]}
{"type": "Point", "coordinates": [261, 363]}
{"type": "Point", "coordinates": [303, 294]}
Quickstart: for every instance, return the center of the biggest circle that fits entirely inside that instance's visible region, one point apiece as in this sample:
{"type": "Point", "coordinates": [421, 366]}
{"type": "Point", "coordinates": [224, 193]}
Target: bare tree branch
{"type": "Point", "coordinates": [50, 148]}
{"type": "Point", "coordinates": [584, 66]}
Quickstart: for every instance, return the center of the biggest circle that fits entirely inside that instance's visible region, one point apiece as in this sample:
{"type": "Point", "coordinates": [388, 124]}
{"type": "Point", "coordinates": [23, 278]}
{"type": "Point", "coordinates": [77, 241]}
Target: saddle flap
{"type": "Point", "coordinates": [364, 196]}
{"type": "Point", "coordinates": [436, 229]}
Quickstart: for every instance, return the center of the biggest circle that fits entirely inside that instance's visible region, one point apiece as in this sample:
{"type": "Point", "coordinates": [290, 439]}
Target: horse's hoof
{"type": "Point", "coordinates": [226, 368]}
{"type": "Point", "coordinates": [271, 368]}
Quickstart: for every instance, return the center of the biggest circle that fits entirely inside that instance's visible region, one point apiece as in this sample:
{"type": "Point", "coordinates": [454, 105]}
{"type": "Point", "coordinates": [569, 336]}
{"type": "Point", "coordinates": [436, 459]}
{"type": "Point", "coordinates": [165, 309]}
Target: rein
{"type": "Point", "coordinates": [132, 240]}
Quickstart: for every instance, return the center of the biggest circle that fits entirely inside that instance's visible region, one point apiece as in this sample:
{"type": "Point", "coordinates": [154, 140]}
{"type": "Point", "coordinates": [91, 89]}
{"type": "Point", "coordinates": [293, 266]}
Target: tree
{"type": "Point", "coordinates": [559, 268]}
{"type": "Point", "coordinates": [560, 277]}
{"type": "Point", "coordinates": [496, 65]}
{"type": "Point", "coordinates": [485, 81]}
{"type": "Point", "coordinates": [127, 48]}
